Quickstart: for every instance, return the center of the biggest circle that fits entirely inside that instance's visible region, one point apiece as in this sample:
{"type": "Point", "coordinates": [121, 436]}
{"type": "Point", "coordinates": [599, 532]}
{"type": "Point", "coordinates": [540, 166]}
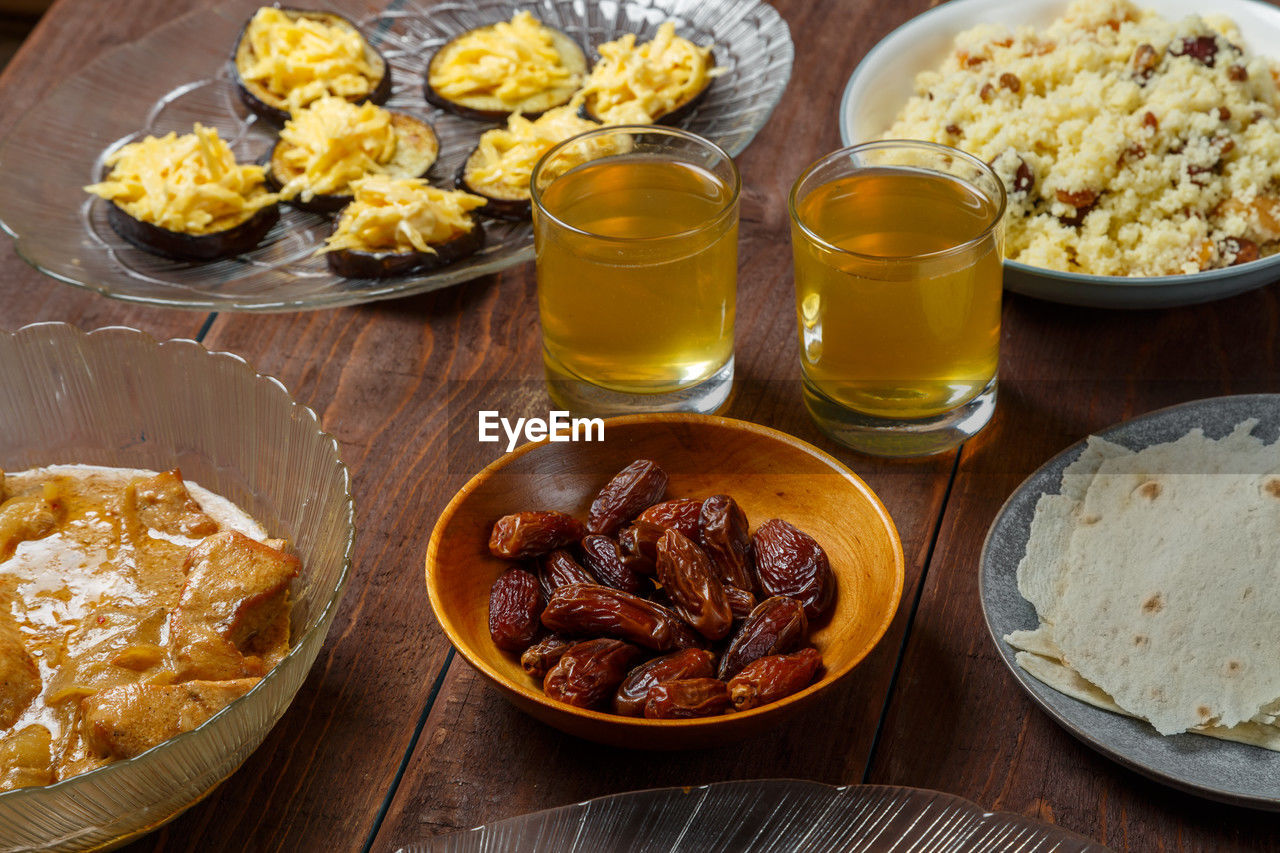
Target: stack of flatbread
{"type": "Point", "coordinates": [1156, 577]}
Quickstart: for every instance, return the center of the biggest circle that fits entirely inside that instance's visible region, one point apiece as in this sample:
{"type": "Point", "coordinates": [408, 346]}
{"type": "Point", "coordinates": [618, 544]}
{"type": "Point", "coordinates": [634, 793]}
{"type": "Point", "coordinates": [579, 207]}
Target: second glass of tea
{"type": "Point", "coordinates": [898, 247]}
{"type": "Point", "coordinates": [636, 239]}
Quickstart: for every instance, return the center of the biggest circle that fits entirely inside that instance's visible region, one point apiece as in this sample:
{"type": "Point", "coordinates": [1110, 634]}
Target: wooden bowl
{"type": "Point", "coordinates": [770, 474]}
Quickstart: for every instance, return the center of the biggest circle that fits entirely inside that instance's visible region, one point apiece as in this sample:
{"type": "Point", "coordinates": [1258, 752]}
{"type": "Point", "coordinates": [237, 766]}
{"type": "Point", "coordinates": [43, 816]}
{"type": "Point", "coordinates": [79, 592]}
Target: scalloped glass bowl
{"type": "Point", "coordinates": [178, 74]}
{"type": "Point", "coordinates": [118, 397]}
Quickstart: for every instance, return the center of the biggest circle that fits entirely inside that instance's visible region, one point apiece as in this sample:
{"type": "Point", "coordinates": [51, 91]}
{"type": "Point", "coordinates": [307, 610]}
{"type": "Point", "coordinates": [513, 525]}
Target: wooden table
{"type": "Point", "coordinates": [393, 738]}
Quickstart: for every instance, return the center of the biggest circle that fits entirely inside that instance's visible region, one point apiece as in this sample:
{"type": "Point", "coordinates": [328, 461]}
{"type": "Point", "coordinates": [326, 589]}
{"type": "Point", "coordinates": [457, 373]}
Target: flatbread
{"type": "Point", "coordinates": [1154, 575]}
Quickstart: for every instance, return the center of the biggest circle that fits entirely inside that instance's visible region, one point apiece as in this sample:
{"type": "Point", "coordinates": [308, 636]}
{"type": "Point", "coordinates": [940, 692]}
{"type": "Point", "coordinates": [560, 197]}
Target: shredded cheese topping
{"type": "Point", "coordinates": [638, 85]}
{"type": "Point", "coordinates": [401, 215]}
{"type": "Point", "coordinates": [301, 59]}
{"type": "Point", "coordinates": [505, 157]}
{"type": "Point", "coordinates": [189, 184]}
{"type": "Point", "coordinates": [510, 61]}
{"type": "Point", "coordinates": [333, 142]}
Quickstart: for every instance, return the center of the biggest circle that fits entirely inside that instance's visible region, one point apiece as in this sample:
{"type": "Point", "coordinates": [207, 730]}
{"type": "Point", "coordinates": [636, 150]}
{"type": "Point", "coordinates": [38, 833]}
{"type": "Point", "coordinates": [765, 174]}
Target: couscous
{"type": "Point", "coordinates": [1130, 145]}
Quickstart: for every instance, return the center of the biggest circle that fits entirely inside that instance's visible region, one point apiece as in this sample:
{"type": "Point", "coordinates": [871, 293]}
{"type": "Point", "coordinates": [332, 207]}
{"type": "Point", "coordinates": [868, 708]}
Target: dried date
{"type": "Point", "coordinates": [688, 663]}
{"type": "Point", "coordinates": [687, 698]}
{"type": "Point", "coordinates": [639, 565]}
{"type": "Point", "coordinates": [725, 536]}
{"type": "Point", "coordinates": [529, 534]}
{"type": "Point", "coordinates": [632, 490]}
{"type": "Point", "coordinates": [680, 514]}
{"type": "Point", "coordinates": [777, 626]}
{"type": "Point", "coordinates": [774, 677]}
{"type": "Point", "coordinates": [684, 637]}
{"type": "Point", "coordinates": [641, 540]}
{"type": "Point", "coordinates": [600, 603]}
{"type": "Point", "coordinates": [515, 603]}
{"type": "Point", "coordinates": [789, 562]}
{"type": "Point", "coordinates": [559, 569]}
{"type": "Point", "coordinates": [610, 568]}
{"type": "Point", "coordinates": [587, 672]}
{"type": "Point", "coordinates": [542, 655]}
{"type": "Point", "coordinates": [697, 596]}
{"type": "Point", "coordinates": [741, 602]}
{"type": "Point", "coordinates": [593, 610]}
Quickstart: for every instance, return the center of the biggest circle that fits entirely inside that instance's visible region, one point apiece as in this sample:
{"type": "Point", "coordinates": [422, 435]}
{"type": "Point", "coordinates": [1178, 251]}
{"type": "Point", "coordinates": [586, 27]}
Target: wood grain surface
{"type": "Point", "coordinates": [394, 738]}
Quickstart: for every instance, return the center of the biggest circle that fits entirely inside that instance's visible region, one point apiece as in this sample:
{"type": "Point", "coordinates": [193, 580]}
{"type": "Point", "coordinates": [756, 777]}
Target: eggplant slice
{"type": "Point", "coordinates": [181, 246]}
{"type": "Point", "coordinates": [417, 148]}
{"type": "Point", "coordinates": [676, 112]}
{"type": "Point", "coordinates": [525, 142]}
{"type": "Point", "coordinates": [492, 108]}
{"type": "Point", "coordinates": [673, 116]}
{"type": "Point", "coordinates": [272, 106]}
{"type": "Point", "coordinates": [353, 263]}
{"type": "Point", "coordinates": [514, 205]}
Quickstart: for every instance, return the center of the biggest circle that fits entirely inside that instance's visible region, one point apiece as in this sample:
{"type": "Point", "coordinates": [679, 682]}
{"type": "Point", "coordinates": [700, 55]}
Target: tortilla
{"type": "Point", "coordinates": [1154, 576]}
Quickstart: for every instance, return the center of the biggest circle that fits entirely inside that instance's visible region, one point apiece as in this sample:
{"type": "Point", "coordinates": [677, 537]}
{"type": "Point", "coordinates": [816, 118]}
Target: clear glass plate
{"type": "Point", "coordinates": [179, 74]}
{"type": "Point", "coordinates": [767, 816]}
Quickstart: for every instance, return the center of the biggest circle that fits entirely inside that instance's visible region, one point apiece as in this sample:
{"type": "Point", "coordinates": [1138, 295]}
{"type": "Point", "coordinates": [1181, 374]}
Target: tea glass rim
{"type": "Point", "coordinates": [730, 205]}
{"type": "Point", "coordinates": [997, 218]}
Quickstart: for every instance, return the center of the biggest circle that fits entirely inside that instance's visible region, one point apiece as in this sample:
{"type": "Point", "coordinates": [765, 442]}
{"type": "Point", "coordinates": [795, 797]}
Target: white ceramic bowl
{"type": "Point", "coordinates": [885, 79]}
{"type": "Point", "coordinates": [118, 397]}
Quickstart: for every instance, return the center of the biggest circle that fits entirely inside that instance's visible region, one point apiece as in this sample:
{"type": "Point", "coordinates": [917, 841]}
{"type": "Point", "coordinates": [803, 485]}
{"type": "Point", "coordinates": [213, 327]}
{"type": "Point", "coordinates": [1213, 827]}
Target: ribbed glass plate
{"type": "Point", "coordinates": [179, 74]}
{"type": "Point", "coordinates": [118, 397]}
{"type": "Point", "coordinates": [766, 816]}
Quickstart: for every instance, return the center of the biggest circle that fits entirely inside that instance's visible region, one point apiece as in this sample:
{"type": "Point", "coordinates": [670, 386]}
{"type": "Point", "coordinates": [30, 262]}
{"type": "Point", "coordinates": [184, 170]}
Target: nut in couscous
{"type": "Point", "coordinates": [1129, 144]}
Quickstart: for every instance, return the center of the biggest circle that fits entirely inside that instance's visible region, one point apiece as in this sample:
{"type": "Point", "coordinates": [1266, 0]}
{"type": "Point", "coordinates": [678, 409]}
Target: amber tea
{"type": "Point", "coordinates": [898, 285]}
{"type": "Point", "coordinates": [637, 271]}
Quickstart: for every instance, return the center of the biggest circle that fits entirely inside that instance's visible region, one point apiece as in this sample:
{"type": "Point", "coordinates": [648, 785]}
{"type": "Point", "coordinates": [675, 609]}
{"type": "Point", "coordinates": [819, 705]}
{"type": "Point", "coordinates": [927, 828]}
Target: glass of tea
{"type": "Point", "coordinates": [636, 239]}
{"type": "Point", "coordinates": [897, 247]}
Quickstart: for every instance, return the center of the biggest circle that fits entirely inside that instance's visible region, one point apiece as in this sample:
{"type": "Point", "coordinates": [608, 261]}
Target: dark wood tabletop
{"type": "Point", "coordinates": [394, 738]}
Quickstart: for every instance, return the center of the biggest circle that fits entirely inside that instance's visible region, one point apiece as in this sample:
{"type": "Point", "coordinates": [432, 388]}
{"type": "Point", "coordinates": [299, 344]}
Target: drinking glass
{"type": "Point", "coordinates": [897, 247]}
{"type": "Point", "coordinates": [636, 240]}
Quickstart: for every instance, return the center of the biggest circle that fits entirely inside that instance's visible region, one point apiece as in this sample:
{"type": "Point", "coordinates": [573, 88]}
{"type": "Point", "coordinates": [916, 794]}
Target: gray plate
{"type": "Point", "coordinates": [1230, 772]}
{"type": "Point", "coordinates": [766, 816]}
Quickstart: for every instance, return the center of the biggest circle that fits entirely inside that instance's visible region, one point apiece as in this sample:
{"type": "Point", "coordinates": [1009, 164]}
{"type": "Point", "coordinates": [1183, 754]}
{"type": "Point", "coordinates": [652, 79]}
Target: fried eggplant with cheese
{"type": "Point", "coordinates": [401, 226]}
{"type": "Point", "coordinates": [287, 58]}
{"type": "Point", "coordinates": [500, 166]}
{"type": "Point", "coordinates": [661, 80]}
{"type": "Point", "coordinates": [521, 65]}
{"type": "Point", "coordinates": [185, 197]}
{"type": "Point", "coordinates": [326, 146]}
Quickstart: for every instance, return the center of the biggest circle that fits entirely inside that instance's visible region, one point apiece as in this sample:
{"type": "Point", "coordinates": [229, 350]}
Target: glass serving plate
{"type": "Point", "coordinates": [767, 816]}
{"type": "Point", "coordinates": [179, 74]}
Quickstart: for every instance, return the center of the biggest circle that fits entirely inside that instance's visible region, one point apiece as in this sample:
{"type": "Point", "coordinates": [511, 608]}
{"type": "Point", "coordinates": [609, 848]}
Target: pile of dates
{"type": "Point", "coordinates": [650, 608]}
